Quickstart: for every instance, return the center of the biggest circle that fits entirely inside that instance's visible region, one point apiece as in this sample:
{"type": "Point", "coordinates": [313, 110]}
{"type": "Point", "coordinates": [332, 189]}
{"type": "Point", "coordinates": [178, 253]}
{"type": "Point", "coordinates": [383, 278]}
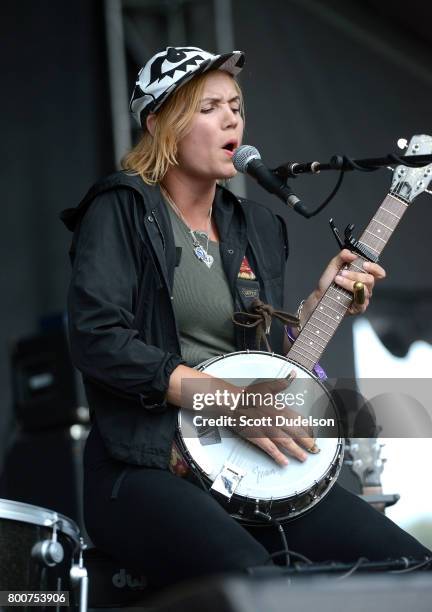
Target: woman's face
{"type": "Point", "coordinates": [216, 130]}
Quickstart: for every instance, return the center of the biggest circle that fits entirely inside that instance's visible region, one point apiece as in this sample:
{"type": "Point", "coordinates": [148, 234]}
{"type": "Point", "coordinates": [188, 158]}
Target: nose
{"type": "Point", "coordinates": [230, 117]}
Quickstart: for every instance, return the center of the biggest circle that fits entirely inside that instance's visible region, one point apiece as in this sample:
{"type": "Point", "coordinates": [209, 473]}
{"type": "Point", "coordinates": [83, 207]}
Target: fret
{"type": "Point", "coordinates": [340, 295]}
{"type": "Point", "coordinates": [327, 324]}
{"type": "Point", "coordinates": [390, 213]}
{"type": "Point", "coordinates": [316, 354]}
{"type": "Point", "coordinates": [333, 302]}
{"type": "Point", "coordinates": [371, 247]}
{"type": "Point", "coordinates": [379, 237]}
{"type": "Point", "coordinates": [379, 232]}
{"type": "Point", "coordinates": [398, 199]}
{"type": "Point", "coordinates": [336, 319]}
{"type": "Point", "coordinates": [381, 223]}
{"type": "Point", "coordinates": [302, 359]}
{"type": "Point", "coordinates": [338, 312]}
{"type": "Point", "coordinates": [317, 329]}
{"type": "Point", "coordinates": [314, 339]}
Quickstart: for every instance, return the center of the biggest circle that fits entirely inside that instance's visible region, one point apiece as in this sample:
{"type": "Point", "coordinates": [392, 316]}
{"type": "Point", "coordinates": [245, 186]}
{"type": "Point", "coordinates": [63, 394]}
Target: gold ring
{"type": "Point", "coordinates": [359, 293]}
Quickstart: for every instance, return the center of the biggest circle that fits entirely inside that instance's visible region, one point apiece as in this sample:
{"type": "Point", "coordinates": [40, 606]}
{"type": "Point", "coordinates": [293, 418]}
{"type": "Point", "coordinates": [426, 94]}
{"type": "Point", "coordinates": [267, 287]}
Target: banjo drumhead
{"type": "Point", "coordinates": [261, 477]}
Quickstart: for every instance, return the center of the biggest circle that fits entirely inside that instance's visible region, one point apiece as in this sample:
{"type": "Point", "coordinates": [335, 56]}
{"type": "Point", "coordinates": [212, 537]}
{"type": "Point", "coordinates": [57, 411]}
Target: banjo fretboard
{"type": "Point", "coordinates": [331, 309]}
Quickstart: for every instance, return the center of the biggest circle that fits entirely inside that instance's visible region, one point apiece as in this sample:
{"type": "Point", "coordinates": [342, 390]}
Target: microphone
{"type": "Point", "coordinates": [247, 159]}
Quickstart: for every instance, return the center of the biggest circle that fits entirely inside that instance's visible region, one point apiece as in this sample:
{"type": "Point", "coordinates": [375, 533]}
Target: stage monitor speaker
{"type": "Point", "coordinates": [358, 593]}
{"type": "Point", "coordinates": [46, 388]}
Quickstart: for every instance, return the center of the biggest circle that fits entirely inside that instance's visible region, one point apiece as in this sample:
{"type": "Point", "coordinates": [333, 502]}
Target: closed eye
{"type": "Point", "coordinates": [209, 110]}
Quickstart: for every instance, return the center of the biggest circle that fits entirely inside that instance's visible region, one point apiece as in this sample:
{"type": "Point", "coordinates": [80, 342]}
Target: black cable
{"type": "Point", "coordinates": [269, 519]}
{"type": "Point", "coordinates": [354, 568]}
{"type": "Point", "coordinates": [425, 563]}
{"type": "Point", "coordinates": [293, 553]}
{"type": "Point", "coordinates": [345, 163]}
{"type": "Point", "coordinates": [329, 198]}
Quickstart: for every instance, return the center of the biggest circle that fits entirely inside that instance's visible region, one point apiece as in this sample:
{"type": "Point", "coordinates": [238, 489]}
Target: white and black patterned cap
{"type": "Point", "coordinates": [168, 70]}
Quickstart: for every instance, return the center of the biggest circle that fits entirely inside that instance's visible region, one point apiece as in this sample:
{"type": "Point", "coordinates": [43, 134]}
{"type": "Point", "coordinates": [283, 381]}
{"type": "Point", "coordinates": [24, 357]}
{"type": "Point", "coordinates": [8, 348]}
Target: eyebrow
{"type": "Point", "coordinates": [218, 99]}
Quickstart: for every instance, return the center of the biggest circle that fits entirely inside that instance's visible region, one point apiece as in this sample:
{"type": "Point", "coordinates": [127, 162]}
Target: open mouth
{"type": "Point", "coordinates": [230, 146]}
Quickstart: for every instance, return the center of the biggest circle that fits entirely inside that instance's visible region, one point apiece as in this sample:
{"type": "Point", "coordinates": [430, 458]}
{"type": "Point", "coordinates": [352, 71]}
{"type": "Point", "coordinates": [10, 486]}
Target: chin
{"type": "Point", "coordinates": [228, 173]}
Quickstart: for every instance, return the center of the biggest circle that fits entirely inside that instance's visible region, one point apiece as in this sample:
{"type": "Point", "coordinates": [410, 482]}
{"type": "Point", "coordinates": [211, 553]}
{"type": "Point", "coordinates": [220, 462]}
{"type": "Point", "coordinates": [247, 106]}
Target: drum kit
{"type": "Point", "coordinates": [42, 552]}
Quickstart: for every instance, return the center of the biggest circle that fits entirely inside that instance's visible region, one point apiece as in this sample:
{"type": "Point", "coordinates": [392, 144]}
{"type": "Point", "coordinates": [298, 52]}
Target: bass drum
{"type": "Point", "coordinates": [37, 550]}
{"type": "Point", "coordinates": [242, 477]}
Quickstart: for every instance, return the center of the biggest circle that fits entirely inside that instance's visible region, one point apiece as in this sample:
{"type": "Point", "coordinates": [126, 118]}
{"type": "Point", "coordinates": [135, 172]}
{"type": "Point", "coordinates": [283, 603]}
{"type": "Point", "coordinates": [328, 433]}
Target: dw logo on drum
{"type": "Point", "coordinates": [121, 580]}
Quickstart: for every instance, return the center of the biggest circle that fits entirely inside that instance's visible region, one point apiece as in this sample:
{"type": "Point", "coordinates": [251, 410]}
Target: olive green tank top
{"type": "Point", "coordinates": [203, 304]}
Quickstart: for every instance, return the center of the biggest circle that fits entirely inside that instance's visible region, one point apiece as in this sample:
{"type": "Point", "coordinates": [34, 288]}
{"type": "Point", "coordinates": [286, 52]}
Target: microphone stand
{"type": "Point", "coordinates": [343, 164]}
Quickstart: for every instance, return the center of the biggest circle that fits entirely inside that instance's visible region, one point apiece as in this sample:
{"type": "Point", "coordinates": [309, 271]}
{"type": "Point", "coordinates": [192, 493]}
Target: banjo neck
{"type": "Point", "coordinates": [333, 306]}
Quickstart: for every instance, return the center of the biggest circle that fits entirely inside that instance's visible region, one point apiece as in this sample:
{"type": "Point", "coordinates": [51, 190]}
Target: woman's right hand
{"type": "Point", "coordinates": [274, 440]}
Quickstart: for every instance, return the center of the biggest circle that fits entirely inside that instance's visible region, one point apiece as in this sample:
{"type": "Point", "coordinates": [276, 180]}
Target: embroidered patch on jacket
{"type": "Point", "coordinates": [245, 270]}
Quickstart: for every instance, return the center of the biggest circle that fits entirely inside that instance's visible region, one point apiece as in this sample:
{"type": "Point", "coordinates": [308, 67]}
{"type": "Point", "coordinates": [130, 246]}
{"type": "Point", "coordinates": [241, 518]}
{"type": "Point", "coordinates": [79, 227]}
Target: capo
{"type": "Point", "coordinates": [351, 243]}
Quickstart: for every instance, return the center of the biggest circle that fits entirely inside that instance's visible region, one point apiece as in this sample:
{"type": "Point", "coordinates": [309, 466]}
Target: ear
{"type": "Point", "coordinates": [150, 122]}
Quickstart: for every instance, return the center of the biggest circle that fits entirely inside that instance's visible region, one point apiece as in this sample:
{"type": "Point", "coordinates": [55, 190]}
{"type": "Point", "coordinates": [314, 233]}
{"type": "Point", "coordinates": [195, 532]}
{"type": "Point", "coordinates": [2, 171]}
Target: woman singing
{"type": "Point", "coordinates": [159, 254]}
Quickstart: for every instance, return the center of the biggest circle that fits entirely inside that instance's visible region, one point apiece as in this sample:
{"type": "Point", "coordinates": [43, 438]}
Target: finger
{"type": "Point", "coordinates": [279, 384]}
{"type": "Point", "coordinates": [303, 440]}
{"type": "Point", "coordinates": [346, 255]}
{"type": "Point", "coordinates": [363, 277]}
{"type": "Point", "coordinates": [356, 309]}
{"type": "Point", "coordinates": [271, 449]}
{"type": "Point", "coordinates": [292, 447]}
{"type": "Point", "coordinates": [302, 435]}
{"type": "Point", "coordinates": [343, 257]}
{"type": "Point", "coordinates": [375, 269]}
{"type": "Point", "coordinates": [348, 283]}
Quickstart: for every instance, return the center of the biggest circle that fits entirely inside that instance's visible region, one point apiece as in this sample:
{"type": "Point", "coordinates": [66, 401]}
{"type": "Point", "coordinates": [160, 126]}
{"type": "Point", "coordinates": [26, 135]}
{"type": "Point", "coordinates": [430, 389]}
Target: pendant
{"type": "Point", "coordinates": [203, 256]}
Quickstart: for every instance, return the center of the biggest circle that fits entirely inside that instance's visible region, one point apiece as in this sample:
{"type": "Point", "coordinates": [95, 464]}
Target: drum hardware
{"type": "Point", "coordinates": [38, 549]}
{"type": "Point", "coordinates": [50, 552]}
{"type": "Point", "coordinates": [79, 578]}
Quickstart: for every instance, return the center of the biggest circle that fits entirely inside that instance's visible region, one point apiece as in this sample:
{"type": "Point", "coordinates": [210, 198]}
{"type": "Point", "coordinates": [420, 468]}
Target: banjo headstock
{"type": "Point", "coordinates": [408, 182]}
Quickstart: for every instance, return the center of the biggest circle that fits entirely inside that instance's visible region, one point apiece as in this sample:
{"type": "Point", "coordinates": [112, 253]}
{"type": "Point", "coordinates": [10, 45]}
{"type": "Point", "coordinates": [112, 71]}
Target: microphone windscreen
{"type": "Point", "coordinates": [243, 155]}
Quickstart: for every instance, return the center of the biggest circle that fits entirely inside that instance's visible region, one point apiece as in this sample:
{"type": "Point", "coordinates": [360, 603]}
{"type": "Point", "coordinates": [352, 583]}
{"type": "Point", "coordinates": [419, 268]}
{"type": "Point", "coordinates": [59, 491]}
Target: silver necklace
{"type": "Point", "coordinates": [201, 253]}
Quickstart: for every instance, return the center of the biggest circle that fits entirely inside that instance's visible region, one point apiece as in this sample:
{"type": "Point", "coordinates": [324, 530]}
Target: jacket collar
{"type": "Point", "coordinates": [229, 215]}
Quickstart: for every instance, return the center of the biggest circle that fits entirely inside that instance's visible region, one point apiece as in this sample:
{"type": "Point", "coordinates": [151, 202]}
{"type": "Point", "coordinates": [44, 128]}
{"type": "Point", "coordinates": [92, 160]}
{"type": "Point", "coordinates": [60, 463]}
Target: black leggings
{"type": "Point", "coordinates": [170, 529]}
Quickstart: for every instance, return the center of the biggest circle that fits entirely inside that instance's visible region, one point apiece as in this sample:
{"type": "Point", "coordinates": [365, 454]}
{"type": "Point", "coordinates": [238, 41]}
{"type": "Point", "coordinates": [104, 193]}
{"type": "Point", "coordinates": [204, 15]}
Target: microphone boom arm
{"type": "Point", "coordinates": [346, 164]}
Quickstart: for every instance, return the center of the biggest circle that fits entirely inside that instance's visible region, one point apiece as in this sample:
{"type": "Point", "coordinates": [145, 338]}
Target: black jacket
{"type": "Point", "coordinates": [123, 332]}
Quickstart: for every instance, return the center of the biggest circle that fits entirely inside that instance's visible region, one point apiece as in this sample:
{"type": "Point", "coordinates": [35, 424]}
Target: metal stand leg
{"type": "Point", "coordinates": [79, 578]}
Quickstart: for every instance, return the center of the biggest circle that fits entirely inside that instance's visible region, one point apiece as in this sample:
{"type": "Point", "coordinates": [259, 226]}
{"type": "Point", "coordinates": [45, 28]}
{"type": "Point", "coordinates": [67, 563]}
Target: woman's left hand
{"type": "Point", "coordinates": [347, 279]}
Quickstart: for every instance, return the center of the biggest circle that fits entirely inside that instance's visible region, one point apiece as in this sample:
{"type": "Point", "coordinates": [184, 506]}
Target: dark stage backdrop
{"type": "Point", "coordinates": [55, 141]}
{"type": "Point", "coordinates": [321, 78]}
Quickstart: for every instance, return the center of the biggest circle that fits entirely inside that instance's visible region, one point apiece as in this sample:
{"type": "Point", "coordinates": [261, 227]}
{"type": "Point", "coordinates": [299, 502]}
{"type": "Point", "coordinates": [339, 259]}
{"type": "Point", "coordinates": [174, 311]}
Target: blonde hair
{"type": "Point", "coordinates": [152, 156]}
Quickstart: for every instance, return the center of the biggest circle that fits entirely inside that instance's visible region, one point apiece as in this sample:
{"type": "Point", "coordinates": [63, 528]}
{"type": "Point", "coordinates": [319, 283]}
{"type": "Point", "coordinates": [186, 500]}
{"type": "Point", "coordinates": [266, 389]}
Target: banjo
{"type": "Point", "coordinates": [244, 479]}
